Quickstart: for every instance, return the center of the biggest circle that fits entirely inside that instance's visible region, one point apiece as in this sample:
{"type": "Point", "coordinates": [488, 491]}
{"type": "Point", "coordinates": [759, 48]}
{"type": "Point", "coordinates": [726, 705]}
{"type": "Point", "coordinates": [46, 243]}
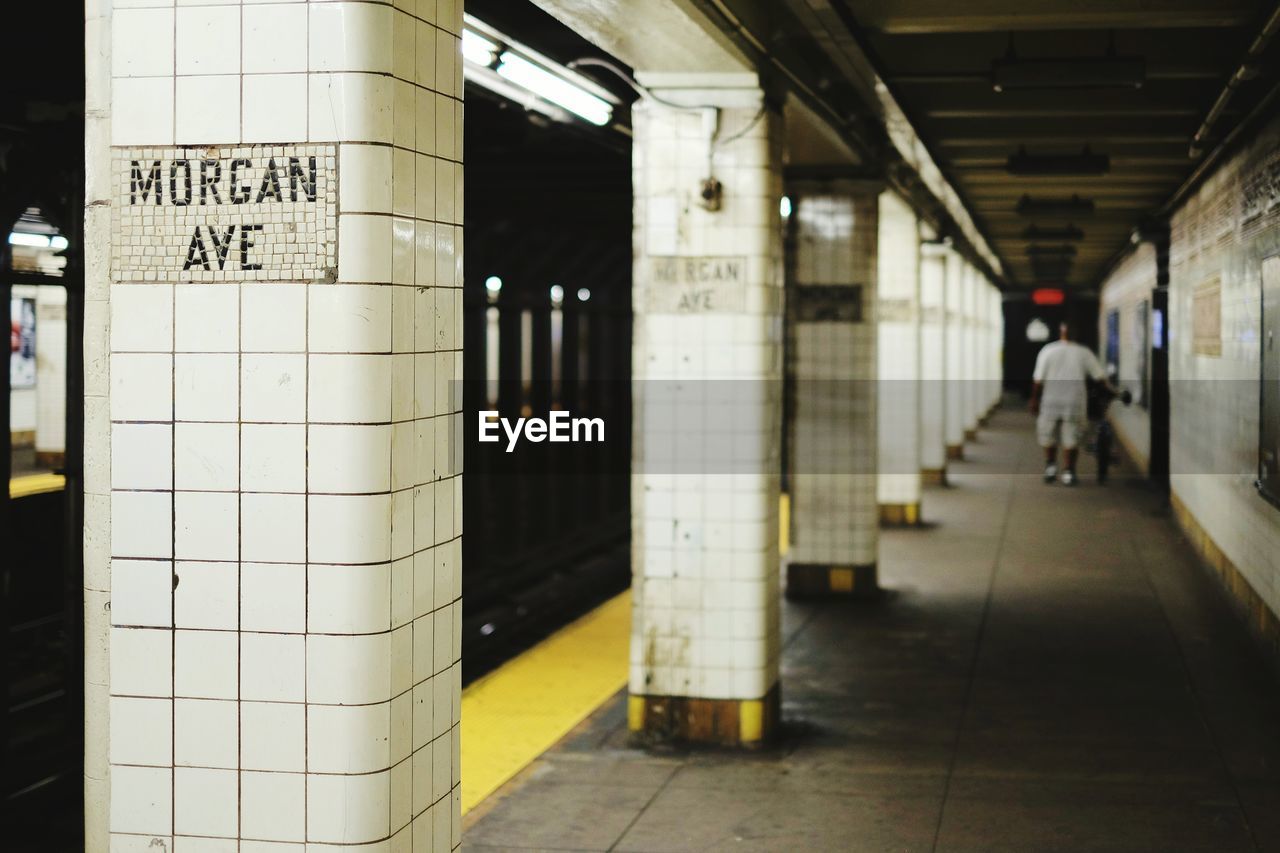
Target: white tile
{"type": "Point", "coordinates": [208, 40]}
{"type": "Point", "coordinates": [275, 107]}
{"type": "Point", "coordinates": [142, 524]}
{"type": "Point", "coordinates": [349, 107]}
{"type": "Point", "coordinates": [273, 528]}
{"type": "Point", "coordinates": [205, 387]}
{"type": "Point", "coordinates": [348, 670]}
{"type": "Point", "coordinates": [204, 665]}
{"type": "Point", "coordinates": [142, 111]}
{"type": "Point", "coordinates": [141, 662]}
{"type": "Point", "coordinates": [141, 800]}
{"type": "Point", "coordinates": [141, 317]}
{"type": "Point", "coordinates": [366, 184]}
{"type": "Point", "coordinates": [348, 599]}
{"type": "Point", "coordinates": [141, 456]}
{"type": "Point", "coordinates": [349, 318]}
{"type": "Point", "coordinates": [275, 38]}
{"type": "Point", "coordinates": [141, 593]}
{"type": "Point", "coordinates": [274, 316]}
{"type": "Point", "coordinates": [273, 667]}
{"type": "Point", "coordinates": [348, 739]}
{"type": "Point", "coordinates": [205, 802]}
{"type": "Point", "coordinates": [207, 109]}
{"type": "Point", "coordinates": [275, 806]}
{"type": "Point", "coordinates": [403, 232]}
{"type": "Point", "coordinates": [206, 317]}
{"type": "Point", "coordinates": [273, 736]}
{"type": "Point", "coordinates": [348, 809]}
{"type": "Point", "coordinates": [141, 731]}
{"type": "Point", "coordinates": [142, 43]}
{"type": "Point", "coordinates": [141, 387]}
{"type": "Point", "coordinates": [343, 458]}
{"type": "Point", "coordinates": [350, 37]}
{"type": "Point", "coordinates": [206, 733]}
{"type": "Point", "coordinates": [206, 595]}
{"type": "Point", "coordinates": [350, 388]}
{"type": "Point", "coordinates": [273, 457]}
{"type": "Point", "coordinates": [206, 457]}
{"type": "Point", "coordinates": [349, 528]}
{"type": "Point", "coordinates": [364, 248]}
{"type": "Point", "coordinates": [275, 387]}
{"type": "Point", "coordinates": [273, 598]}
{"type": "Point", "coordinates": [206, 526]}
{"type": "Point", "coordinates": [200, 844]}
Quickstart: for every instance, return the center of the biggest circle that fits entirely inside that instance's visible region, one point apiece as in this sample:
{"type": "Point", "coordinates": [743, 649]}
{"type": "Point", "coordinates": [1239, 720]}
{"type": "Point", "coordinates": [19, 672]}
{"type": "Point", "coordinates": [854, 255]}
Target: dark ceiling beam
{"type": "Point", "coordinates": [950, 16]}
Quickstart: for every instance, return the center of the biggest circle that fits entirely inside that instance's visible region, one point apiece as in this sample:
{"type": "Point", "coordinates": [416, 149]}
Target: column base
{"type": "Point", "coordinates": [933, 476]}
{"type": "Point", "coordinates": [819, 580]}
{"type": "Point", "coordinates": [899, 515]}
{"type": "Point", "coordinates": [971, 434]}
{"type": "Point", "coordinates": [955, 452]}
{"type": "Point", "coordinates": [719, 722]}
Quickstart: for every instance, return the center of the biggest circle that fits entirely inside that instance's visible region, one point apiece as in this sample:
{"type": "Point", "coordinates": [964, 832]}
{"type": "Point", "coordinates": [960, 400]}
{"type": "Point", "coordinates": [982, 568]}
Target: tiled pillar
{"type": "Point", "coordinates": [898, 357]}
{"type": "Point", "coordinates": [708, 402]}
{"type": "Point", "coordinates": [273, 331]}
{"type": "Point", "coordinates": [953, 346]}
{"type": "Point", "coordinates": [933, 446]}
{"type": "Point", "coordinates": [969, 351]}
{"type": "Point", "coordinates": [832, 438]}
{"type": "Point", "coordinates": [995, 345]}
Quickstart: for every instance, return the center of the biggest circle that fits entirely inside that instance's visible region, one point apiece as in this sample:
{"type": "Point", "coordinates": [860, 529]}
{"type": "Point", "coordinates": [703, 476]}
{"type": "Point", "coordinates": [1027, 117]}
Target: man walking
{"type": "Point", "coordinates": [1060, 401]}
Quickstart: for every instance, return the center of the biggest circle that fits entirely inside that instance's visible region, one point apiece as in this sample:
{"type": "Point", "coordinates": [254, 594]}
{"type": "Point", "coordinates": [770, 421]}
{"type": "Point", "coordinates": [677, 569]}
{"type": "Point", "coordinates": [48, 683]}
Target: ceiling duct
{"type": "Point", "coordinates": [1084, 163]}
{"type": "Point", "coordinates": [1061, 206]}
{"type": "Point", "coordinates": [1067, 232]}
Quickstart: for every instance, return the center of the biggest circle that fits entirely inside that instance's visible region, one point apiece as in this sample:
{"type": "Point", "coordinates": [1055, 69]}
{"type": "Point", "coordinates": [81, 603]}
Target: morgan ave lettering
{"type": "Point", "coordinates": [558, 427]}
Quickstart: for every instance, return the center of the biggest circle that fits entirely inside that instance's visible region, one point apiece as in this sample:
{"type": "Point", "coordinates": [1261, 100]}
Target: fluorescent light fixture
{"type": "Point", "coordinates": [1068, 232]}
{"type": "Point", "coordinates": [557, 294]}
{"type": "Point", "coordinates": [554, 88]}
{"type": "Point", "coordinates": [23, 238]}
{"type": "Point", "coordinates": [583, 294]}
{"type": "Point", "coordinates": [478, 49]}
{"type": "Point", "coordinates": [521, 74]}
{"type": "Point", "coordinates": [493, 284]}
{"type": "Point", "coordinates": [784, 207]}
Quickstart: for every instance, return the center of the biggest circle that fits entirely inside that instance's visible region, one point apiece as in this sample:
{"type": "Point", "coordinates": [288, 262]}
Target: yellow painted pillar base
{"type": "Point", "coordinates": [720, 722]}
{"type": "Point", "coordinates": [955, 452]}
{"type": "Point", "coordinates": [933, 476]}
{"type": "Point", "coordinates": [899, 515]}
{"type": "Point", "coordinates": [816, 580]}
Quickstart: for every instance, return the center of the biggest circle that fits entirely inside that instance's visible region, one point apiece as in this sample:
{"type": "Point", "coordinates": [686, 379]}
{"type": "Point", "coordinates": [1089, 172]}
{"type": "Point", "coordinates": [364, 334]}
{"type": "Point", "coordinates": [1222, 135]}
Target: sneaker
{"type": "Point", "coordinates": [1068, 477]}
{"type": "Point", "coordinates": [1050, 473]}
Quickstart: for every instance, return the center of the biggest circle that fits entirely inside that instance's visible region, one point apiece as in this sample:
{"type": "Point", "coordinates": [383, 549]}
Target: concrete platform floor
{"type": "Point", "coordinates": [1049, 671]}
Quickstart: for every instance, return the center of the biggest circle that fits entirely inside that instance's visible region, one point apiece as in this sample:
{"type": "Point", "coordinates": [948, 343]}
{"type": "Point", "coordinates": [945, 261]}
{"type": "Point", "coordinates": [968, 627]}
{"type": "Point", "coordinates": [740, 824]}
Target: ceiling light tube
{"type": "Point", "coordinates": [554, 88]}
{"type": "Point", "coordinates": [25, 238]}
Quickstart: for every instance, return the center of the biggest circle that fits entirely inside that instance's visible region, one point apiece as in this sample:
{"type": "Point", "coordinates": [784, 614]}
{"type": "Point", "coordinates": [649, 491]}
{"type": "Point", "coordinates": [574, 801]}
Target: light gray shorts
{"type": "Point", "coordinates": [1058, 427]}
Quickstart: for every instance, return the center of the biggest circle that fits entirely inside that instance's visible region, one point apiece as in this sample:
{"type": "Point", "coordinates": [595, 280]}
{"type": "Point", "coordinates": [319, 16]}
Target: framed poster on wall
{"type": "Point", "coordinates": [1113, 344]}
{"type": "Point", "coordinates": [22, 342]}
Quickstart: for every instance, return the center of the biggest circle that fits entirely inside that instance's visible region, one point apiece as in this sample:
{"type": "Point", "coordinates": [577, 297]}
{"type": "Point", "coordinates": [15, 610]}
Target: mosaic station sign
{"type": "Point", "coordinates": [244, 213]}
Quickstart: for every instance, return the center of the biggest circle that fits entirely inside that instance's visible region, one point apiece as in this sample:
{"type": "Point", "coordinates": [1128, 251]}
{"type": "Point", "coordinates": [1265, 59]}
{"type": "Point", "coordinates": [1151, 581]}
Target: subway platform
{"type": "Point", "coordinates": [1050, 669]}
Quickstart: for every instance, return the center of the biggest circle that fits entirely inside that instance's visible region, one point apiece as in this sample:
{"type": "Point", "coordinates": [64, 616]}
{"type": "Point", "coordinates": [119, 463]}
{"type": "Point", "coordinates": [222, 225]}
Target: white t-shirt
{"type": "Point", "coordinates": [1061, 368]}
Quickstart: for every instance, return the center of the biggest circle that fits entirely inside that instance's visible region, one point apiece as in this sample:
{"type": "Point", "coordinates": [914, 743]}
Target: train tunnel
{"type": "Point", "coordinates": [662, 425]}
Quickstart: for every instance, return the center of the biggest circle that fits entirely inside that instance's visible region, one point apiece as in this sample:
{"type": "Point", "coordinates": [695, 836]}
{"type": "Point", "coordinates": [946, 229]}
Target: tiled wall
{"type": "Point", "coordinates": [933, 277]}
{"type": "Point", "coordinates": [1223, 231]}
{"type": "Point", "coordinates": [276, 540]}
{"type": "Point", "coordinates": [1130, 284]}
{"type": "Point", "coordinates": [835, 513]}
{"type": "Point", "coordinates": [51, 370]}
{"type": "Point", "coordinates": [707, 400]}
{"type": "Point", "coordinates": [953, 348]}
{"type": "Point", "coordinates": [898, 353]}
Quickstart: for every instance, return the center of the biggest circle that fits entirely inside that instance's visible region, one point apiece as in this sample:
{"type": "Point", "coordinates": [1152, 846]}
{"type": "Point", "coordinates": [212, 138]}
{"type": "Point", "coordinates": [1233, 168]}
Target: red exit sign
{"type": "Point", "coordinates": [1048, 296]}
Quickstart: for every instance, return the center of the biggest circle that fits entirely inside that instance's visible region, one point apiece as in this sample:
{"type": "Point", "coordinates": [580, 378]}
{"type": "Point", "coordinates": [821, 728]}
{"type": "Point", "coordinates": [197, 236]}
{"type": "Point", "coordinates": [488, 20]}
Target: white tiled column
{"type": "Point", "coordinates": [898, 357]}
{"type": "Point", "coordinates": [833, 447]}
{"type": "Point", "coordinates": [273, 334]}
{"type": "Point", "coordinates": [995, 344]}
{"type": "Point", "coordinates": [933, 446]}
{"type": "Point", "coordinates": [969, 351]}
{"type": "Point", "coordinates": [953, 346]}
{"type": "Point", "coordinates": [708, 401]}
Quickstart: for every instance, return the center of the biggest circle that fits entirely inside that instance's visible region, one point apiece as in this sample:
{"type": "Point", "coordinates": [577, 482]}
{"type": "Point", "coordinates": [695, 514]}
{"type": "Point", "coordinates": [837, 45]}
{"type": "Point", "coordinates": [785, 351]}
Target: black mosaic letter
{"type": "Point", "coordinates": [173, 182]}
{"type": "Point", "coordinates": [245, 244]}
{"type": "Point", "coordinates": [221, 247]}
{"type": "Point", "coordinates": [210, 181]}
{"type": "Point", "coordinates": [196, 254]}
{"type": "Point", "coordinates": [240, 192]}
{"type": "Point", "coordinates": [136, 182]}
{"type": "Point", "coordinates": [308, 182]}
{"type": "Point", "coordinates": [270, 183]}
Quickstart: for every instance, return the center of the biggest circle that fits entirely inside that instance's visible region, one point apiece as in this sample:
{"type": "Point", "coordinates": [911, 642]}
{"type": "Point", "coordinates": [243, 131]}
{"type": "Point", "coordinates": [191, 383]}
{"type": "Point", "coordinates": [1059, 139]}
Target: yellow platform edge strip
{"type": "Point", "coordinates": [517, 712]}
{"type": "Point", "coordinates": [36, 484]}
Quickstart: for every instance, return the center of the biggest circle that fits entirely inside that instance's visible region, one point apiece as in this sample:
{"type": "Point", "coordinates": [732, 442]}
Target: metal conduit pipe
{"type": "Point", "coordinates": [1245, 72]}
